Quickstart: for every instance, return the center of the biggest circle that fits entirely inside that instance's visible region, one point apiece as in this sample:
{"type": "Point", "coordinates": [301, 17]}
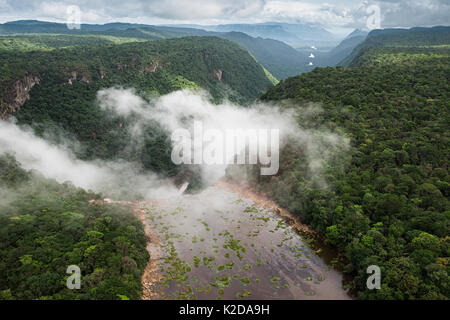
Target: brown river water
{"type": "Point", "coordinates": [223, 244]}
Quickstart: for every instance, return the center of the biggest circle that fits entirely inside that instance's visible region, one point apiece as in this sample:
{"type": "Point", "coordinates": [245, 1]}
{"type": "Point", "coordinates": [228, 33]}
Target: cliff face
{"type": "Point", "coordinates": [16, 95]}
{"type": "Point", "coordinates": [75, 75]}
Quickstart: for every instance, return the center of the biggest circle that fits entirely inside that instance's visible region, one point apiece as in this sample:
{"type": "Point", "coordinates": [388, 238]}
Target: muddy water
{"type": "Point", "coordinates": [218, 245]}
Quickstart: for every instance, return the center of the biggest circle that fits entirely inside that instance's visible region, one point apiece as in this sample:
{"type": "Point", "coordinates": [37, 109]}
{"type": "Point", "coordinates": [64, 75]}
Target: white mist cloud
{"type": "Point", "coordinates": [173, 111]}
{"type": "Point", "coordinates": [57, 162]}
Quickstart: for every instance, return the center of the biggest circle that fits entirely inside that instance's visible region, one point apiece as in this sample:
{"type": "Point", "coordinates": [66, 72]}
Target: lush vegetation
{"type": "Point", "coordinates": [152, 68]}
{"type": "Point", "coordinates": [52, 41]}
{"type": "Point", "coordinates": [46, 227]}
{"type": "Point", "coordinates": [192, 58]}
{"type": "Point", "coordinates": [409, 37]}
{"type": "Point", "coordinates": [403, 38]}
{"type": "Point", "coordinates": [387, 201]}
{"type": "Point", "coordinates": [277, 57]}
{"type": "Point", "coordinates": [112, 29]}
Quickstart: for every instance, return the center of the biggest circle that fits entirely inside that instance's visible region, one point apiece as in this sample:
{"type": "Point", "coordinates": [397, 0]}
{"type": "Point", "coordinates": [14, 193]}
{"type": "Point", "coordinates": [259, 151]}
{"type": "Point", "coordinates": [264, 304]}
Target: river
{"type": "Point", "coordinates": [222, 244]}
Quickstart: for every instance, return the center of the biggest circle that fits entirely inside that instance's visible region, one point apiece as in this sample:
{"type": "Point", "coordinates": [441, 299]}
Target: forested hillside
{"type": "Point", "coordinates": [58, 87]}
{"type": "Point", "coordinates": [387, 200]}
{"type": "Point", "coordinates": [47, 42]}
{"type": "Point", "coordinates": [115, 29]}
{"type": "Point", "coordinates": [46, 227]}
{"type": "Point", "coordinates": [384, 201]}
{"type": "Point", "coordinates": [277, 57]}
{"type": "Point", "coordinates": [414, 37]}
{"type": "Point", "coordinates": [342, 51]}
{"type": "Point", "coordinates": [194, 58]}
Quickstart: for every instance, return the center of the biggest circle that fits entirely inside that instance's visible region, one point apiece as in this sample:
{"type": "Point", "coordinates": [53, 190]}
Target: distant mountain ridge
{"type": "Point", "coordinates": [277, 57]}
{"type": "Point", "coordinates": [414, 37]}
{"type": "Point", "coordinates": [357, 33]}
{"type": "Point", "coordinates": [296, 35]}
{"type": "Point", "coordinates": [320, 58]}
{"type": "Point", "coordinates": [343, 50]}
{"type": "Point", "coordinates": [280, 59]}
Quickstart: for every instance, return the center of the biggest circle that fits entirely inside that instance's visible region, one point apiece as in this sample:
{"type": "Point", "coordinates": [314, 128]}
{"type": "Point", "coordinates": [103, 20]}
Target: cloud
{"type": "Point", "coordinates": [175, 110]}
{"type": "Point", "coordinates": [415, 13]}
{"type": "Point", "coordinates": [95, 11]}
{"type": "Point", "coordinates": [353, 14]}
{"type": "Point", "coordinates": [119, 179]}
{"type": "Point", "coordinates": [307, 13]}
{"type": "Point", "coordinates": [201, 9]}
{"type": "Point", "coordinates": [329, 14]}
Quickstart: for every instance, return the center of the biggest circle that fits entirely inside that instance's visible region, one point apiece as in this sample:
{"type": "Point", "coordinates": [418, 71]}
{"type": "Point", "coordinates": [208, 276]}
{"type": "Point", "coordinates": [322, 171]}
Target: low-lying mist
{"type": "Point", "coordinates": [119, 178]}
{"type": "Point", "coordinates": [173, 111]}
{"type": "Point", "coordinates": [178, 110]}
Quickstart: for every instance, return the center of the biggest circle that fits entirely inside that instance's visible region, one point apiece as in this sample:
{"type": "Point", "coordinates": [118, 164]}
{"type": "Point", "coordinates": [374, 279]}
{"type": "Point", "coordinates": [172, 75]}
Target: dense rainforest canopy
{"type": "Point", "coordinates": [387, 203]}
{"type": "Point", "coordinates": [69, 79]}
{"type": "Point", "coordinates": [46, 227]}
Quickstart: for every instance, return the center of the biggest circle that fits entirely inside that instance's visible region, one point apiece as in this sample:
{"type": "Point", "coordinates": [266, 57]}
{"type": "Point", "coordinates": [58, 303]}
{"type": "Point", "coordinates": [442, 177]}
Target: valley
{"type": "Point", "coordinates": [87, 176]}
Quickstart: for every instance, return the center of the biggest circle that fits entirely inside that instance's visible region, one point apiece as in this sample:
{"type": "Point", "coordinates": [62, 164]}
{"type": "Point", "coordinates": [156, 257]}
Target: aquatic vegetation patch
{"type": "Point", "coordinates": [221, 282]}
{"type": "Point", "coordinates": [244, 294]}
{"type": "Point", "coordinates": [251, 209]}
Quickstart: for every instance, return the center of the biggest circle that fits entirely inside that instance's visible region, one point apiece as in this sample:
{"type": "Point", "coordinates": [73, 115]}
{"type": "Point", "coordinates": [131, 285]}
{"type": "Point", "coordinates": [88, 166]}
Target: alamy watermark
{"type": "Point", "coordinates": [74, 280]}
{"type": "Point", "coordinates": [374, 17]}
{"type": "Point", "coordinates": [230, 146]}
{"type": "Point", "coordinates": [73, 17]}
{"type": "Point", "coordinates": [374, 280]}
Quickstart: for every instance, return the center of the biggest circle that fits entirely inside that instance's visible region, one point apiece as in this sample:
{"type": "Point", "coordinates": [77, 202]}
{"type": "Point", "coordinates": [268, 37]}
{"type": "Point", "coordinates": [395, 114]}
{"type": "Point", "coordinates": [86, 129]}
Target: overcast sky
{"type": "Point", "coordinates": [330, 14]}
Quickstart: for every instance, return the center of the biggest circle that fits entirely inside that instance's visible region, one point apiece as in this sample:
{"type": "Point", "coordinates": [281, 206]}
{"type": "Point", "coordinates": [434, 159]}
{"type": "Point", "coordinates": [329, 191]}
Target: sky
{"type": "Point", "coordinates": [331, 14]}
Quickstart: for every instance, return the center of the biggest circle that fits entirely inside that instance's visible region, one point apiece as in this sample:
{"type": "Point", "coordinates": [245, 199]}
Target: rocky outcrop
{"type": "Point", "coordinates": [218, 74]}
{"type": "Point", "coordinates": [151, 69]}
{"type": "Point", "coordinates": [74, 75]}
{"type": "Point", "coordinates": [84, 79]}
{"type": "Point", "coordinates": [16, 95]}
